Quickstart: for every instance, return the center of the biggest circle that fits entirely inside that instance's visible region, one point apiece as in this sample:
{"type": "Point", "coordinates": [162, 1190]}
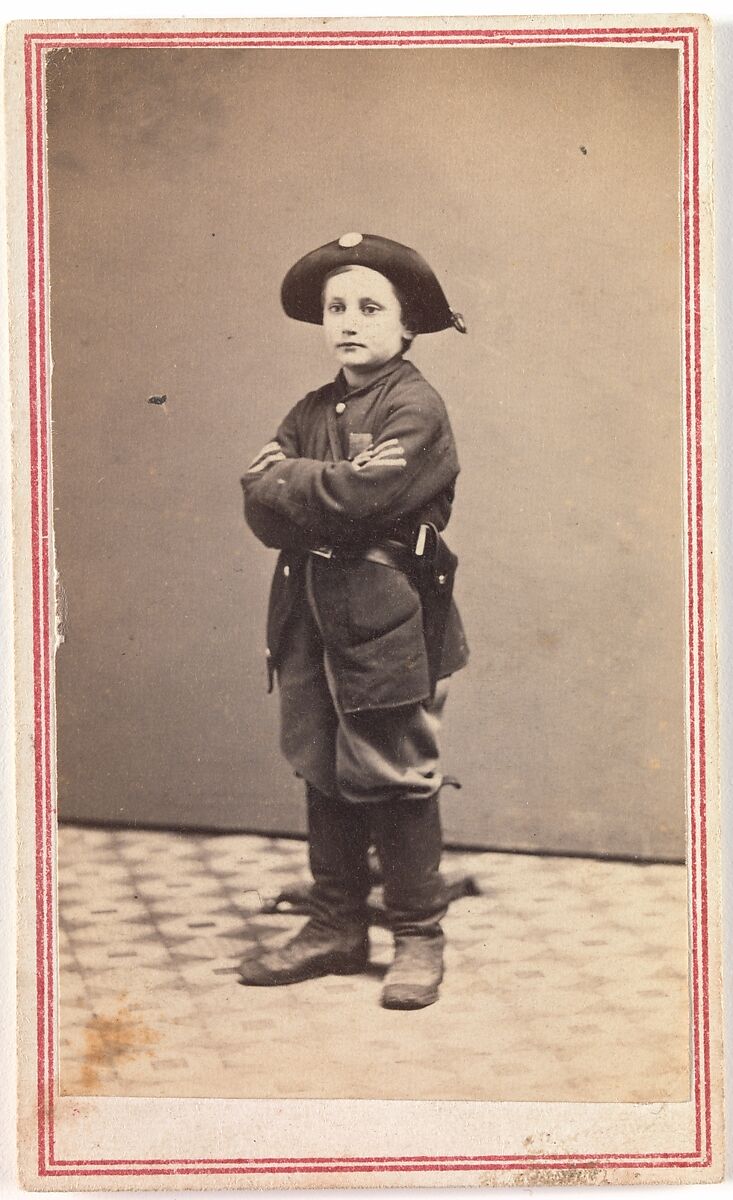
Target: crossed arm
{"type": "Point", "coordinates": [386, 454]}
{"type": "Point", "coordinates": [278, 530]}
{"type": "Point", "coordinates": [411, 460]}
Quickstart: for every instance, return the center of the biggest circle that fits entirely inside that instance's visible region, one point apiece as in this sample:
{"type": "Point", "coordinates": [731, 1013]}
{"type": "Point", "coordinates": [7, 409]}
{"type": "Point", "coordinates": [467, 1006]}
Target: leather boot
{"type": "Point", "coordinates": [408, 838]}
{"type": "Point", "coordinates": [414, 977]}
{"type": "Point", "coordinates": [334, 941]}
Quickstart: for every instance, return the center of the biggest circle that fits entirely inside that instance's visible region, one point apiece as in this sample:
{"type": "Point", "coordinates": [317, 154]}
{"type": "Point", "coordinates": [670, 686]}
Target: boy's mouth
{"type": "Point", "coordinates": [351, 346]}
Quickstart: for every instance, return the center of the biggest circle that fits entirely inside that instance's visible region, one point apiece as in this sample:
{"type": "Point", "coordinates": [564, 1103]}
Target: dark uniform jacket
{"type": "Point", "coordinates": [370, 614]}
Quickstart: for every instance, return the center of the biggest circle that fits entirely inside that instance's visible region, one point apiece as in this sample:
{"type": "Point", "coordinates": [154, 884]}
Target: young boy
{"type": "Point", "coordinates": [362, 631]}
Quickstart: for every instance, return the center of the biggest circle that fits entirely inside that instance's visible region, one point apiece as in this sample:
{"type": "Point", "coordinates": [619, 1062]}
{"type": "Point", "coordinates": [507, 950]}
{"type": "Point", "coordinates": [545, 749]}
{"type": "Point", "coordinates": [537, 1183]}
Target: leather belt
{"type": "Point", "coordinates": [391, 554]}
{"type": "Point", "coordinates": [388, 553]}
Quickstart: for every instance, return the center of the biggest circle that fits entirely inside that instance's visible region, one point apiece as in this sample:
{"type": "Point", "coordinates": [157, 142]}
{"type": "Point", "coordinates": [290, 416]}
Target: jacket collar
{"type": "Point", "coordinates": [345, 391]}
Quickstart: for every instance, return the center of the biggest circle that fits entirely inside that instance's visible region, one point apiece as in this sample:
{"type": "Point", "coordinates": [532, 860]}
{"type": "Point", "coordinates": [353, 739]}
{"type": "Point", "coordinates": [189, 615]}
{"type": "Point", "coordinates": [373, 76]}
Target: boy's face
{"type": "Point", "coordinates": [362, 320]}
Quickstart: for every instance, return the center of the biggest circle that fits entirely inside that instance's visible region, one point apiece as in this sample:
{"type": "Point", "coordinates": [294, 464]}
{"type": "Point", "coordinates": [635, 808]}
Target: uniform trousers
{"type": "Point", "coordinates": [372, 777]}
{"type": "Point", "coordinates": [368, 756]}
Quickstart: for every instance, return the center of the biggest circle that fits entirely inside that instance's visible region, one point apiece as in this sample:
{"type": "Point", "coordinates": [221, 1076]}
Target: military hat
{"type": "Point", "coordinates": [302, 289]}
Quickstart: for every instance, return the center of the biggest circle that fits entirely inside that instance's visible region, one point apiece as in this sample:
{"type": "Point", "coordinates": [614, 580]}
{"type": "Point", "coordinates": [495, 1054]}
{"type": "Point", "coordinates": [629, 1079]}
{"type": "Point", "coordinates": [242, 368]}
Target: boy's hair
{"type": "Point", "coordinates": [409, 319]}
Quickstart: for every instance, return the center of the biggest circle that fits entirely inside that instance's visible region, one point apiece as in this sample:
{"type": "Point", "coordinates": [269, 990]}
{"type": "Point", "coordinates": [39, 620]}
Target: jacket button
{"type": "Point", "coordinates": [286, 571]}
{"type": "Point", "coordinates": [340, 407]}
{"type": "Point", "coordinates": [441, 579]}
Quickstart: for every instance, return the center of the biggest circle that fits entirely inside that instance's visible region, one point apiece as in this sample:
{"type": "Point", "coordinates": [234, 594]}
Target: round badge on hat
{"type": "Point", "coordinates": [347, 240]}
{"type": "Point", "coordinates": [414, 281]}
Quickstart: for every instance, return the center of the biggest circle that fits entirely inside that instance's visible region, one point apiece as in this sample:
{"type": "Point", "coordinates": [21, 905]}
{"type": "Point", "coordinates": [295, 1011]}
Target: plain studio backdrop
{"type": "Point", "coordinates": [542, 185]}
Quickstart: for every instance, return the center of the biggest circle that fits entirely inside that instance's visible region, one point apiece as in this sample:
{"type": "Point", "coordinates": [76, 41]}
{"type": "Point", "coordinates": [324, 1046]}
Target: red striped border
{"type": "Point", "coordinates": [685, 40]}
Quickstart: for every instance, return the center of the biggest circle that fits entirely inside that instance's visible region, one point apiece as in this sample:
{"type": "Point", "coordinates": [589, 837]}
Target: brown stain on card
{"type": "Point", "coordinates": [113, 1038]}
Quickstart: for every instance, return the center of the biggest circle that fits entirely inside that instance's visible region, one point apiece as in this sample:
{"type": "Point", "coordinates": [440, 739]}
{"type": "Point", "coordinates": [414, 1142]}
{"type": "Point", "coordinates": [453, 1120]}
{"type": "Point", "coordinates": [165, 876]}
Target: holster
{"type": "Point", "coordinates": [434, 566]}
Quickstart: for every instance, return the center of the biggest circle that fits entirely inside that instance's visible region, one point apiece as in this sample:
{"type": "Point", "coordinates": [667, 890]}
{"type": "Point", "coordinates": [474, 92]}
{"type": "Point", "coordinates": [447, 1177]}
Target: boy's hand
{"type": "Point", "coordinates": [269, 454]}
{"type": "Point", "coordinates": [386, 454]}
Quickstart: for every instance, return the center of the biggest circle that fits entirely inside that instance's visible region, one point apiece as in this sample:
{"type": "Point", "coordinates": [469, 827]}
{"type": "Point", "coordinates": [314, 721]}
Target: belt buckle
{"type": "Point", "coordinates": [323, 552]}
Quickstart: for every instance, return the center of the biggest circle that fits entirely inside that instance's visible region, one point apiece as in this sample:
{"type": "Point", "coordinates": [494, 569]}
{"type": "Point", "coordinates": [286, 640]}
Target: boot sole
{"type": "Point", "coordinates": [315, 971]}
{"type": "Point", "coordinates": [409, 1002]}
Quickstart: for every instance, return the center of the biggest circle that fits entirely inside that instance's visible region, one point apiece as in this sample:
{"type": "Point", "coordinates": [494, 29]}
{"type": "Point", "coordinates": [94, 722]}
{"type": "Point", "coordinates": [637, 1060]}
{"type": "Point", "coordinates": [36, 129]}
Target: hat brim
{"type": "Point", "coordinates": [413, 279]}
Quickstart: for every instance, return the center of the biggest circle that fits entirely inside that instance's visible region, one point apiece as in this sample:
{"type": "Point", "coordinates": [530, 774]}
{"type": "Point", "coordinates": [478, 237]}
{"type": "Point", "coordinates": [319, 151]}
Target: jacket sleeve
{"type": "Point", "coordinates": [275, 529]}
{"type": "Point", "coordinates": [325, 497]}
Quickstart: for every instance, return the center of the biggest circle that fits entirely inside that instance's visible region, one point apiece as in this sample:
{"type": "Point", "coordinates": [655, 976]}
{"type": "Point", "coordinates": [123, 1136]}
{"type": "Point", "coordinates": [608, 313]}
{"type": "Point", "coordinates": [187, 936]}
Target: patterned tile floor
{"type": "Point", "coordinates": [566, 981]}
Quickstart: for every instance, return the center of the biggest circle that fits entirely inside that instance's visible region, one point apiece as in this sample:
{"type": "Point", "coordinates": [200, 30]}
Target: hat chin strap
{"type": "Point", "coordinates": [458, 322]}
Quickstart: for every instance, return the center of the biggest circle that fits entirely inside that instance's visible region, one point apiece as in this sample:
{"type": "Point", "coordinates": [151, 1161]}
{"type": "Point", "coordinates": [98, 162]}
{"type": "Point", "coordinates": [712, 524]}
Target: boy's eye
{"type": "Point", "coordinates": [370, 308]}
{"type": "Point", "coordinates": [335, 307]}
